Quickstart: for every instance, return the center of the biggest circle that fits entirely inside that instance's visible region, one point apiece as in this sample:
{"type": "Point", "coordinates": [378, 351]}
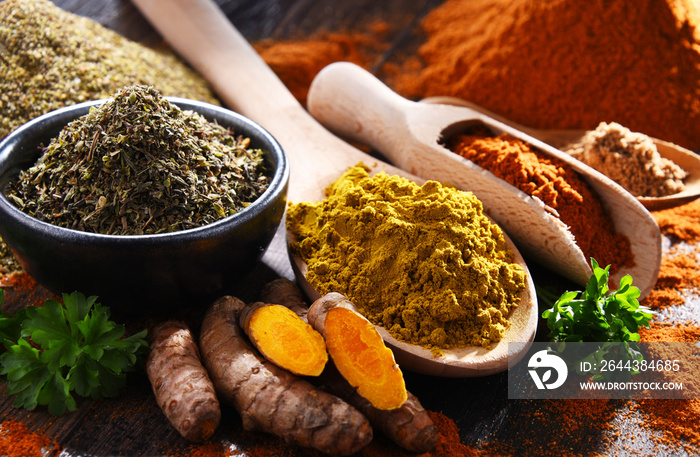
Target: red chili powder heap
{"type": "Point", "coordinates": [553, 182]}
{"type": "Point", "coordinates": [568, 64]}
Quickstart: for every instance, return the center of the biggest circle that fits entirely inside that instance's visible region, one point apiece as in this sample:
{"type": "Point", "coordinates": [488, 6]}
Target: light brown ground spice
{"type": "Point", "coordinates": [629, 158]}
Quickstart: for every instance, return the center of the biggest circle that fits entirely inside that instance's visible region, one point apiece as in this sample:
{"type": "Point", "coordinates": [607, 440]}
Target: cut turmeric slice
{"type": "Point", "coordinates": [285, 339]}
{"type": "Point", "coordinates": [358, 351]}
{"type": "Point", "coordinates": [270, 399]}
{"type": "Point", "coordinates": [409, 426]}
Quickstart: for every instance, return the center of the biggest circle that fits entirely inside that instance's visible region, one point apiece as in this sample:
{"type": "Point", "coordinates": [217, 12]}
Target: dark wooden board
{"type": "Point", "coordinates": [133, 425]}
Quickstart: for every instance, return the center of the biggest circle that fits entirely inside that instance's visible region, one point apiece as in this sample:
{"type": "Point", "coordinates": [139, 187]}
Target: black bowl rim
{"type": "Point", "coordinates": [211, 112]}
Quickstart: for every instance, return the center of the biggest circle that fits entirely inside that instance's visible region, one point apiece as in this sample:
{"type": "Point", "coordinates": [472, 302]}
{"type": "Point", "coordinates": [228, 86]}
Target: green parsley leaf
{"type": "Point", "coordinates": [10, 326]}
{"type": "Point", "coordinates": [599, 315]}
{"type": "Point", "coordinates": [53, 351]}
{"type": "Point", "coordinates": [595, 314]}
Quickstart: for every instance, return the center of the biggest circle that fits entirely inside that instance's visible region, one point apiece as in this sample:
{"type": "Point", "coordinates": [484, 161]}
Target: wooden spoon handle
{"type": "Point", "coordinates": [357, 106]}
{"type": "Point", "coordinates": [200, 32]}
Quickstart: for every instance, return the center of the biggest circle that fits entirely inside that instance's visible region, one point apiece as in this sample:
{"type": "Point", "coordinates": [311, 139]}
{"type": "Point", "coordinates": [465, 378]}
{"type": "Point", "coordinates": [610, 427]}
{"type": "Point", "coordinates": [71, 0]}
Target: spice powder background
{"type": "Point", "coordinates": [636, 63]}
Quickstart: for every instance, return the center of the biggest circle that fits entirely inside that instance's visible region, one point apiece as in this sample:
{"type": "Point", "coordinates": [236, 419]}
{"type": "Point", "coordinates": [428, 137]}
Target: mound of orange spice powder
{"type": "Point", "coordinates": [567, 63]}
{"type": "Point", "coordinates": [297, 61]}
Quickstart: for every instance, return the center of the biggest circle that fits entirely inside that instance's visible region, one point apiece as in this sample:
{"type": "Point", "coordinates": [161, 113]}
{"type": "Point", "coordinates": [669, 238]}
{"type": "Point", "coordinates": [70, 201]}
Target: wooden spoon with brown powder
{"type": "Point", "coordinates": [686, 159]}
{"type": "Point", "coordinates": [203, 36]}
{"type": "Point", "coordinates": [356, 105]}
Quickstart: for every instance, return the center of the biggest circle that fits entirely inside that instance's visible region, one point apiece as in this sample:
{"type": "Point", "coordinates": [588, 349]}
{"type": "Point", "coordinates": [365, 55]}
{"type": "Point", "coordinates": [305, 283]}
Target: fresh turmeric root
{"type": "Point", "coordinates": [271, 328]}
{"type": "Point", "coordinates": [409, 426]}
{"type": "Point", "coordinates": [180, 382]}
{"type": "Point", "coordinates": [270, 399]}
{"type": "Point", "coordinates": [284, 292]}
{"type": "Point", "coordinates": [358, 351]}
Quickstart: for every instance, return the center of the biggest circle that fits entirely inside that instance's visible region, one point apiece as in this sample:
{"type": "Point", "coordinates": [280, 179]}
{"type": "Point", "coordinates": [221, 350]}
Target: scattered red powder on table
{"type": "Point", "coordinates": [680, 269]}
{"type": "Point", "coordinates": [676, 419]}
{"type": "Point", "coordinates": [449, 442]}
{"type": "Point", "coordinates": [681, 223]}
{"type": "Point", "coordinates": [16, 440]}
{"type": "Point", "coordinates": [296, 62]}
{"type": "Point", "coordinates": [669, 332]}
{"type": "Point", "coordinates": [678, 275]}
{"type": "Point", "coordinates": [209, 449]}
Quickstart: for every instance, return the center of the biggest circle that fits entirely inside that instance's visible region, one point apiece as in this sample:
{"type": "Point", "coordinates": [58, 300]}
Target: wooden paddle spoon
{"type": "Point", "coordinates": [203, 35]}
{"type": "Point", "coordinates": [353, 103]}
{"type": "Point", "coordinates": [684, 158]}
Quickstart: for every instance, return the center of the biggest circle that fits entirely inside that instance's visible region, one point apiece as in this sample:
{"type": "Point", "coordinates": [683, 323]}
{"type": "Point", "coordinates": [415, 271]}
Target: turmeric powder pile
{"type": "Point", "coordinates": [424, 261]}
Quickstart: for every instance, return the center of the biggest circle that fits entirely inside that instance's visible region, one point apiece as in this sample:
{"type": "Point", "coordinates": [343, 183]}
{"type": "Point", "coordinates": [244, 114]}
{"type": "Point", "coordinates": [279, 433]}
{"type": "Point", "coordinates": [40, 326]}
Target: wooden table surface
{"type": "Point", "coordinates": [133, 424]}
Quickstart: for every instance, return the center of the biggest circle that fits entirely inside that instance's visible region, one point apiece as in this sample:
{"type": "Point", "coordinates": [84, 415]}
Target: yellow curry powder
{"type": "Point", "coordinates": [424, 261]}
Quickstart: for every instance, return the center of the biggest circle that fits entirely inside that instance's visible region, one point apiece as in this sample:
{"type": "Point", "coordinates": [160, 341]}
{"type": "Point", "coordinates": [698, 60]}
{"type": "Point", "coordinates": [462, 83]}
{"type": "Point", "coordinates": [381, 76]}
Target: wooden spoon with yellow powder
{"type": "Point", "coordinates": [425, 262]}
{"type": "Point", "coordinates": [202, 35]}
{"type": "Point", "coordinates": [353, 103]}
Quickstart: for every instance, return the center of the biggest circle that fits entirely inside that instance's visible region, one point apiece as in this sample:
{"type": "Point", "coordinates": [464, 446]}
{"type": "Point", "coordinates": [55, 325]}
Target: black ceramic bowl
{"type": "Point", "coordinates": [142, 272]}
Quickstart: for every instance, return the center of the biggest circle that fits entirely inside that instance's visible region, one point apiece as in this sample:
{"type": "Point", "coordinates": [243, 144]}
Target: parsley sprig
{"type": "Point", "coordinates": [597, 315]}
{"type": "Point", "coordinates": [600, 315]}
{"type": "Point", "coordinates": [53, 351]}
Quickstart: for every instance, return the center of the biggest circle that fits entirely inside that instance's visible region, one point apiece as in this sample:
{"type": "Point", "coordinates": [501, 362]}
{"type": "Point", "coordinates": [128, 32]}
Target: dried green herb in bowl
{"type": "Point", "coordinates": [138, 164]}
{"type": "Point", "coordinates": [151, 271]}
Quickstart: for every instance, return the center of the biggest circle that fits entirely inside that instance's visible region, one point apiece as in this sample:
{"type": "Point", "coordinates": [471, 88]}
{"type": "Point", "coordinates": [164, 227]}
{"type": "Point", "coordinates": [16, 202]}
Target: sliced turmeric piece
{"type": "Point", "coordinates": [409, 426]}
{"type": "Point", "coordinates": [284, 338]}
{"type": "Point", "coordinates": [270, 399]}
{"type": "Point", "coordinates": [358, 351]}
